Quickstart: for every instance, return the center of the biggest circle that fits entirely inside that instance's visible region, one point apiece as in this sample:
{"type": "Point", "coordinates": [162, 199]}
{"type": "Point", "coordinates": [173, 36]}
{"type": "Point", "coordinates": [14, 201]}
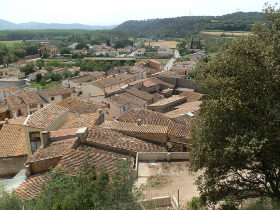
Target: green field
{"type": "Point", "coordinates": [48, 85]}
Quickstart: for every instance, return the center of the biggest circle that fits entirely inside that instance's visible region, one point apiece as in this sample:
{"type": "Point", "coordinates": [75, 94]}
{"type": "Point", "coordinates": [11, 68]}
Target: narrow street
{"type": "Point", "coordinates": [170, 63]}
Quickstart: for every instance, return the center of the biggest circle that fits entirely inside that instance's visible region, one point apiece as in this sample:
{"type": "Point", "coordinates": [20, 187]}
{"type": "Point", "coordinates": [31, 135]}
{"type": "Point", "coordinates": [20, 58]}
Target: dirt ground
{"type": "Point", "coordinates": [218, 33]}
{"type": "Point", "coordinates": [166, 178]}
{"type": "Point", "coordinates": [170, 44]}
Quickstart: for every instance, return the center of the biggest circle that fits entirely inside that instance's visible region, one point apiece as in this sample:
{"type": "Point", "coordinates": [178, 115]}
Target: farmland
{"type": "Point", "coordinates": [226, 33]}
{"type": "Point", "coordinates": [170, 44]}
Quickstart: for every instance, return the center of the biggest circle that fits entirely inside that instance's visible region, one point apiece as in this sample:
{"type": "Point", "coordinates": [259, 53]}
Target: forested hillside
{"type": "Point", "coordinates": [189, 25]}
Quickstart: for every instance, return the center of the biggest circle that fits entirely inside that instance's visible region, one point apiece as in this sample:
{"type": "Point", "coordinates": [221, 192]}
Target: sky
{"type": "Point", "coordinates": [113, 12]}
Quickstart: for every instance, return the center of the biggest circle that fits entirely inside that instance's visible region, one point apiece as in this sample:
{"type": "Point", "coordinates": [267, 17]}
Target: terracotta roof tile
{"type": "Point", "coordinates": [45, 116]}
{"type": "Point", "coordinates": [127, 98]}
{"type": "Point", "coordinates": [12, 89]}
{"type": "Point", "coordinates": [12, 141]}
{"type": "Point", "coordinates": [155, 118]}
{"type": "Point", "coordinates": [115, 140]}
{"type": "Point", "coordinates": [57, 91]}
{"type": "Point", "coordinates": [31, 187]}
{"type": "Point", "coordinates": [87, 77]}
{"type": "Point", "coordinates": [140, 93]}
{"type": "Point", "coordinates": [84, 120]}
{"type": "Point", "coordinates": [17, 121]}
{"type": "Point", "coordinates": [192, 96]}
{"type": "Point", "coordinates": [170, 100]}
{"type": "Point", "coordinates": [103, 160]}
{"type": "Point", "coordinates": [23, 98]}
{"type": "Point", "coordinates": [63, 133]}
{"type": "Point", "coordinates": [112, 80]}
{"type": "Point", "coordinates": [52, 150]}
{"type": "Point", "coordinates": [133, 127]}
{"type": "Point", "coordinates": [76, 105]}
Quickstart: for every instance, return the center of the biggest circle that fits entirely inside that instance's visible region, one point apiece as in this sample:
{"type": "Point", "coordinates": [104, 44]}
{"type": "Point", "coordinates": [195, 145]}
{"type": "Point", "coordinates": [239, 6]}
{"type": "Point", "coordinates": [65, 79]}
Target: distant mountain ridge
{"type": "Point", "coordinates": [6, 25]}
{"type": "Point", "coordinates": [186, 26]}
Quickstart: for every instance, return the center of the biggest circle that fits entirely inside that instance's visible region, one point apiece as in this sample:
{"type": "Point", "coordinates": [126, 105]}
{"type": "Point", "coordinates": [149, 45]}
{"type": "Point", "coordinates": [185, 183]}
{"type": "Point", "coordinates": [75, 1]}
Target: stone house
{"type": "Point", "coordinates": [165, 53]}
{"type": "Point", "coordinates": [106, 85]}
{"type": "Point", "coordinates": [13, 151]}
{"type": "Point", "coordinates": [56, 94]}
{"type": "Point", "coordinates": [138, 72]}
{"type": "Point", "coordinates": [182, 70]}
{"type": "Point", "coordinates": [76, 82]}
{"type": "Point", "coordinates": [10, 72]}
{"type": "Point", "coordinates": [154, 64]}
{"type": "Point", "coordinates": [24, 103]}
{"type": "Point", "coordinates": [49, 118]}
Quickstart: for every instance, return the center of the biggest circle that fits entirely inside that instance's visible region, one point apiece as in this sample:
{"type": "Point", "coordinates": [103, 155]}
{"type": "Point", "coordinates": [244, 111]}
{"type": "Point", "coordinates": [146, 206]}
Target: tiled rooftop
{"type": "Point", "coordinates": [112, 80]}
{"type": "Point", "coordinates": [155, 118]}
{"type": "Point", "coordinates": [116, 140]}
{"type": "Point", "coordinates": [133, 127]}
{"type": "Point", "coordinates": [31, 187]}
{"type": "Point", "coordinates": [140, 93]}
{"type": "Point", "coordinates": [12, 141]}
{"type": "Point", "coordinates": [17, 121]}
{"type": "Point", "coordinates": [84, 120]}
{"type": "Point", "coordinates": [79, 106]}
{"type": "Point", "coordinates": [190, 106]}
{"type": "Point", "coordinates": [45, 116]}
{"type": "Point", "coordinates": [127, 98]}
{"type": "Point", "coordinates": [23, 98]}
{"type": "Point", "coordinates": [55, 91]}
{"type": "Point", "coordinates": [12, 89]}
{"type": "Point", "coordinates": [166, 101]}
{"type": "Point", "coordinates": [52, 150]}
{"type": "Point", "coordinates": [3, 107]}
{"type": "Point", "coordinates": [103, 160]}
{"type": "Point", "coordinates": [63, 133]}
{"type": "Point", "coordinates": [184, 109]}
{"type": "Point", "coordinates": [192, 96]}
{"type": "Point", "coordinates": [87, 78]}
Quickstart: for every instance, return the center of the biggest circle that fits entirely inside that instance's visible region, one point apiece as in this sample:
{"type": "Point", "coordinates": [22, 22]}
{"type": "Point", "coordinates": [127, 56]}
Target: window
{"type": "Point", "coordinates": [41, 106]}
{"type": "Point", "coordinates": [19, 112]}
{"type": "Point", "coordinates": [35, 141]}
{"type": "Point", "coordinates": [52, 98]}
{"type": "Point", "coordinates": [124, 108]}
{"type": "Point", "coordinates": [32, 106]}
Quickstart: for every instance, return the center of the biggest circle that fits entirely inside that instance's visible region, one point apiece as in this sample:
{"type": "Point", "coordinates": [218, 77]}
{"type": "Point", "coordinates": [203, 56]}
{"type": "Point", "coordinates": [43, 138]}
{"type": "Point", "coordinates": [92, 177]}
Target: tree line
{"type": "Point", "coordinates": [183, 27]}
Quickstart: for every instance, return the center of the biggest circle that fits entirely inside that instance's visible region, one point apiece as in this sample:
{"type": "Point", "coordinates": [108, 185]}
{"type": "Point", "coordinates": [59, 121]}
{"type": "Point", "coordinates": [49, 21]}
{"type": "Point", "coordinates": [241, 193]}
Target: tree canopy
{"type": "Point", "coordinates": [236, 137]}
{"type": "Point", "coordinates": [86, 189]}
{"type": "Point", "coordinates": [184, 27]}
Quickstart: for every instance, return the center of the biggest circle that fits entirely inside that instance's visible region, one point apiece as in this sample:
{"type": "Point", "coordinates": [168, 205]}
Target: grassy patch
{"type": "Point", "coordinates": [47, 85]}
{"type": "Point", "coordinates": [158, 181]}
{"type": "Point", "coordinates": [211, 54]}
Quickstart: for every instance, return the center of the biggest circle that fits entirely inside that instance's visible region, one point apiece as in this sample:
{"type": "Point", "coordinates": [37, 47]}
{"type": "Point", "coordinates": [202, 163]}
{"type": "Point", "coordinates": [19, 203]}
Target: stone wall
{"type": "Point", "coordinates": [12, 165]}
{"type": "Point", "coordinates": [43, 165]}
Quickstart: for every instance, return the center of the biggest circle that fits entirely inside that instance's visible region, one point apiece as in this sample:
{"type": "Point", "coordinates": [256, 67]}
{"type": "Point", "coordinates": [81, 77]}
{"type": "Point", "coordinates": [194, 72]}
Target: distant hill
{"type": "Point", "coordinates": [6, 25]}
{"type": "Point", "coordinates": [187, 26]}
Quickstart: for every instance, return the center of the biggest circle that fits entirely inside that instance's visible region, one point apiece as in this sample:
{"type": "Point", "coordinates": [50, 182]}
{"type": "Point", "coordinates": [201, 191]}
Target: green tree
{"type": "Point", "coordinates": [28, 68]}
{"type": "Point", "coordinates": [65, 50]}
{"type": "Point", "coordinates": [55, 77]}
{"type": "Point", "coordinates": [40, 63]}
{"type": "Point", "coordinates": [236, 137]}
{"type": "Point", "coordinates": [87, 189]}
{"type": "Point", "coordinates": [38, 77]}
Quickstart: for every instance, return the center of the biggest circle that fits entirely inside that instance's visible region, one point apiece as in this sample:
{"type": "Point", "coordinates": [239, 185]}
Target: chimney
{"type": "Point", "coordinates": [101, 117]}
{"type": "Point", "coordinates": [82, 133]}
{"type": "Point", "coordinates": [139, 122]}
{"type": "Point", "coordinates": [45, 135]}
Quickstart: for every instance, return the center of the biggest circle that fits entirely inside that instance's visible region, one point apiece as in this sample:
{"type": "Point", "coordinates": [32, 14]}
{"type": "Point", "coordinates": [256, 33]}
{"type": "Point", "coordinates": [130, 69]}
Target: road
{"type": "Point", "coordinates": [170, 63]}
